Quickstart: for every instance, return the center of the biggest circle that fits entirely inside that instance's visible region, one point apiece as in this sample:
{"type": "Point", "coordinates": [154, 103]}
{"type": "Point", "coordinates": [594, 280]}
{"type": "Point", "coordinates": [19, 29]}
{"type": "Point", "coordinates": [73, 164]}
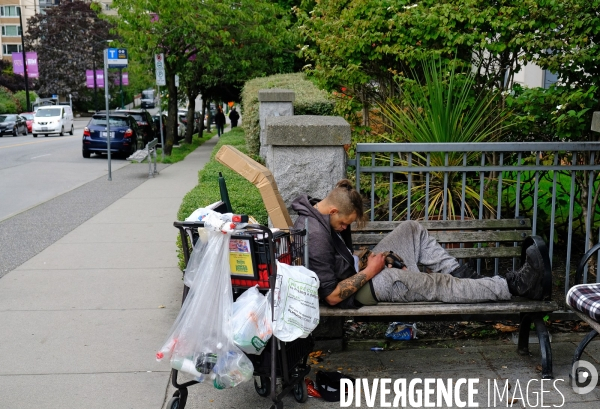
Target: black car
{"type": "Point", "coordinates": [13, 125]}
{"type": "Point", "coordinates": [145, 122]}
{"type": "Point", "coordinates": [156, 119]}
{"type": "Point", "coordinates": [125, 135]}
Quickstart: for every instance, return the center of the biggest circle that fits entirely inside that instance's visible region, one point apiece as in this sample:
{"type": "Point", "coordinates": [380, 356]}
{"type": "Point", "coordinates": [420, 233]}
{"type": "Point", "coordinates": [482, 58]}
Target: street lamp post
{"type": "Point", "coordinates": [24, 61]}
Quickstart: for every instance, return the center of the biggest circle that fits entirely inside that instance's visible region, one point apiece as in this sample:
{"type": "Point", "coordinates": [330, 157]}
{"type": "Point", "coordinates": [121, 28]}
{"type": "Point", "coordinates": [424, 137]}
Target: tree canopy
{"type": "Point", "coordinates": [68, 38]}
{"type": "Point", "coordinates": [209, 42]}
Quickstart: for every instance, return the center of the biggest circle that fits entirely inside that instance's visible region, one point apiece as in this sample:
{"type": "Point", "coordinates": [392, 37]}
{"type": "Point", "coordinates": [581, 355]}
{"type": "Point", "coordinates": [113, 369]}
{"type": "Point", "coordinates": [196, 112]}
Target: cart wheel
{"type": "Point", "coordinates": [264, 389]}
{"type": "Point", "coordinates": [300, 392]}
{"type": "Point", "coordinates": [173, 403]}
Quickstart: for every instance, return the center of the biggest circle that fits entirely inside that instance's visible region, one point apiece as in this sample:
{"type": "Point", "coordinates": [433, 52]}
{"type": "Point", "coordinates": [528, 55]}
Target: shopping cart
{"type": "Point", "coordinates": [284, 361]}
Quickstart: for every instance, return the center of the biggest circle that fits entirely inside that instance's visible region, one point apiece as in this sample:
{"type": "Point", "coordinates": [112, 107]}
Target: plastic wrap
{"type": "Point", "coordinates": [200, 342]}
{"type": "Point", "coordinates": [251, 321]}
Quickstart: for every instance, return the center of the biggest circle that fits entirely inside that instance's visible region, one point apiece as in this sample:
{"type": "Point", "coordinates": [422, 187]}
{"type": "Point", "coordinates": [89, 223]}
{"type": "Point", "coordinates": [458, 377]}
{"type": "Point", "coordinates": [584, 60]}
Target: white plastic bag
{"type": "Point", "coordinates": [200, 342]}
{"type": "Point", "coordinates": [296, 302]}
{"type": "Point", "coordinates": [251, 321]}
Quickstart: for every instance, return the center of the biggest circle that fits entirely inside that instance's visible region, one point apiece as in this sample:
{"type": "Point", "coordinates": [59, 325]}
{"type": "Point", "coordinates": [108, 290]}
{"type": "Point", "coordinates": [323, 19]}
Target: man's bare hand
{"type": "Point", "coordinates": [375, 264]}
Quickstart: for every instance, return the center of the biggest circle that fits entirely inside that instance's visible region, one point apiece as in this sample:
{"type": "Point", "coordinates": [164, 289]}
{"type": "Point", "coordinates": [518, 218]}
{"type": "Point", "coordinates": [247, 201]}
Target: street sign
{"type": "Point", "coordinates": [159, 65]}
{"type": "Point", "coordinates": [117, 58]}
{"type": "Point", "coordinates": [177, 80]}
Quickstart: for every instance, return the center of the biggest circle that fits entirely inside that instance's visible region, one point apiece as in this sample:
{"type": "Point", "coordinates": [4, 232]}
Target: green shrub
{"type": "Point", "coordinates": [309, 100]}
{"type": "Point", "coordinates": [21, 97]}
{"type": "Point", "coordinates": [243, 195]}
{"type": "Point", "coordinates": [8, 103]}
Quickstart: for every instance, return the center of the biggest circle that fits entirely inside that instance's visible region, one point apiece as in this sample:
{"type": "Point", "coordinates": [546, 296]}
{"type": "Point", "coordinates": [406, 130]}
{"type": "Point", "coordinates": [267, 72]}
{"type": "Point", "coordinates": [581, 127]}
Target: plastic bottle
{"type": "Point", "coordinates": [166, 350]}
{"type": "Point", "coordinates": [377, 349]}
{"type": "Point", "coordinates": [206, 362]}
{"type": "Point", "coordinates": [185, 365]}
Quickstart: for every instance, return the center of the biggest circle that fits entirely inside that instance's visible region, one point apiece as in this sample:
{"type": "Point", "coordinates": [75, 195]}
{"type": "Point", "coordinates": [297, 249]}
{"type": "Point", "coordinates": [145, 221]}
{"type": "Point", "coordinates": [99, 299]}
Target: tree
{"type": "Point", "coordinates": [362, 45]}
{"type": "Point", "coordinates": [68, 38]}
{"type": "Point", "coordinates": [10, 80]}
{"type": "Point", "coordinates": [217, 38]}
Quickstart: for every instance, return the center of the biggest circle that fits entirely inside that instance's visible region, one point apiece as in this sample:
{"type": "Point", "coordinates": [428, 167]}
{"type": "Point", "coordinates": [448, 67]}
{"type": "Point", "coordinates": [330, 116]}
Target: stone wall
{"type": "Point", "coordinates": [274, 102]}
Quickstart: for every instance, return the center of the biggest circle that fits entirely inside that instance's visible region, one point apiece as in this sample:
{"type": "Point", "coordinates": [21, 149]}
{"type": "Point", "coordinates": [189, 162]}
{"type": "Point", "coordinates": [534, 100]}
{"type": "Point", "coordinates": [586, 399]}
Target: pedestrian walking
{"type": "Point", "coordinates": [220, 120]}
{"type": "Point", "coordinates": [234, 117]}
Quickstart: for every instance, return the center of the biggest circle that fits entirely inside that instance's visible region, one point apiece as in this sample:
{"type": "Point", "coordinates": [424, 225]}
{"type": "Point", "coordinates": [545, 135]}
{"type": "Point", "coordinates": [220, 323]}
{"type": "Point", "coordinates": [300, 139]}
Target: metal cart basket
{"type": "Point", "coordinates": [286, 361]}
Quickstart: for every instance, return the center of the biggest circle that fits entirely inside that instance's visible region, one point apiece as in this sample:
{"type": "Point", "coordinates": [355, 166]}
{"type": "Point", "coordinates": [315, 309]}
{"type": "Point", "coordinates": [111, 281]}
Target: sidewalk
{"type": "Point", "coordinates": [81, 322]}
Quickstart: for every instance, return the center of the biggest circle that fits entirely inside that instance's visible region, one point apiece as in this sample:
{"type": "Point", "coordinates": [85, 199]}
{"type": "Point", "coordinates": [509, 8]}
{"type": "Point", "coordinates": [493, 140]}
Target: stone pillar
{"type": "Point", "coordinates": [273, 102]}
{"type": "Point", "coordinates": [306, 154]}
{"type": "Point", "coordinates": [596, 121]}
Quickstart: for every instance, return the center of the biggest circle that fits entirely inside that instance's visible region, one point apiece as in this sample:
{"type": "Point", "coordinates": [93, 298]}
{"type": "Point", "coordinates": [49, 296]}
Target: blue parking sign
{"type": "Point", "coordinates": [117, 57]}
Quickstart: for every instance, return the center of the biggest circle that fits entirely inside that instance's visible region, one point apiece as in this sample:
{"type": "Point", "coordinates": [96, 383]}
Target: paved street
{"type": "Point", "coordinates": [34, 170]}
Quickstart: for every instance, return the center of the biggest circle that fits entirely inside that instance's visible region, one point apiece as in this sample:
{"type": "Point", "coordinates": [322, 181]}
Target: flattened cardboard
{"type": "Point", "coordinates": [262, 178]}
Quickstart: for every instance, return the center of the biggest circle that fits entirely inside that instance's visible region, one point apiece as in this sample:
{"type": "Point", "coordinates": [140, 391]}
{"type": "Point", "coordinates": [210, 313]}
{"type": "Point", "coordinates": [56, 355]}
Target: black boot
{"type": "Point", "coordinates": [465, 271]}
{"type": "Point", "coordinates": [527, 281]}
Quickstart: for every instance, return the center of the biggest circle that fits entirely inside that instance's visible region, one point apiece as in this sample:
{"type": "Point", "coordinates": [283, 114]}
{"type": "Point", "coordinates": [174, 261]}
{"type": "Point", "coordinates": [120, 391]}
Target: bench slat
{"type": "Point", "coordinates": [486, 252]}
{"type": "Point", "coordinates": [453, 236]}
{"type": "Point", "coordinates": [430, 308]}
{"type": "Point", "coordinates": [485, 224]}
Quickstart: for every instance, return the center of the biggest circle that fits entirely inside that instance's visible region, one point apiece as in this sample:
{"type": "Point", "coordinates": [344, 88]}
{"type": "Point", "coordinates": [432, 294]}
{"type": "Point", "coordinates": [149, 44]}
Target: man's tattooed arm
{"type": "Point", "coordinates": [351, 285]}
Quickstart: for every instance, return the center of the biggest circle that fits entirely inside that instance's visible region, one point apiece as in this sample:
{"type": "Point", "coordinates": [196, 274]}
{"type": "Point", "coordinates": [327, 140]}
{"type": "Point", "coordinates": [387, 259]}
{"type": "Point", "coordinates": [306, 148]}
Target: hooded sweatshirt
{"type": "Point", "coordinates": [328, 252]}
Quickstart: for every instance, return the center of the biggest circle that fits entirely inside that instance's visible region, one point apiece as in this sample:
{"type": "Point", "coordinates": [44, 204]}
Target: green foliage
{"type": "Point", "coordinates": [8, 103]}
{"type": "Point", "coordinates": [309, 100]}
{"type": "Point", "coordinates": [21, 97]}
{"type": "Point", "coordinates": [361, 45]}
{"type": "Point", "coordinates": [245, 197]}
{"type": "Point", "coordinates": [559, 113]}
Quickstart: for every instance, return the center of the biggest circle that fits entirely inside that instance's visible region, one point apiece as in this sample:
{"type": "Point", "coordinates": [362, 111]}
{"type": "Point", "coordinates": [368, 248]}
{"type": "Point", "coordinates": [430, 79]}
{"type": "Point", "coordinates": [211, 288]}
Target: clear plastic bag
{"type": "Point", "coordinates": [200, 342]}
{"type": "Point", "coordinates": [251, 321]}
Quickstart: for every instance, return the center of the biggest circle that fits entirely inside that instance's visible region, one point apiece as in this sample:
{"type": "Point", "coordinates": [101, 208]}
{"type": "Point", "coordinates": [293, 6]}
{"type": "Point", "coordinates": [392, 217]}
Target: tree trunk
{"type": "Point", "coordinates": [189, 131]}
{"type": "Point", "coordinates": [172, 112]}
{"type": "Point", "coordinates": [203, 110]}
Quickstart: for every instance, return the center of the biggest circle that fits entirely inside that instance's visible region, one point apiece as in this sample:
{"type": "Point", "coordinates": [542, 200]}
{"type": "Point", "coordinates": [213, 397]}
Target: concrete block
{"type": "Point", "coordinates": [329, 327]}
{"type": "Point", "coordinates": [307, 130]}
{"type": "Point", "coordinates": [596, 121]}
{"type": "Point", "coordinates": [306, 170]}
{"type": "Point", "coordinates": [276, 95]}
{"type": "Point", "coordinates": [329, 345]}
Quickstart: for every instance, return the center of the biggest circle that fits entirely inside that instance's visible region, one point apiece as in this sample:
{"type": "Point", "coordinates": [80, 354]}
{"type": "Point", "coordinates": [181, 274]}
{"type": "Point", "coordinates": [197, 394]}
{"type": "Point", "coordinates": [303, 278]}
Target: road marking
{"type": "Point", "coordinates": [35, 157]}
{"type": "Point", "coordinates": [34, 142]}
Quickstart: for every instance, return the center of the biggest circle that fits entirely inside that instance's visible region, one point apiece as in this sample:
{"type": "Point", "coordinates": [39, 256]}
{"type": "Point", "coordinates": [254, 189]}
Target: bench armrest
{"type": "Point", "coordinates": [586, 257]}
{"type": "Point", "coordinates": [547, 280]}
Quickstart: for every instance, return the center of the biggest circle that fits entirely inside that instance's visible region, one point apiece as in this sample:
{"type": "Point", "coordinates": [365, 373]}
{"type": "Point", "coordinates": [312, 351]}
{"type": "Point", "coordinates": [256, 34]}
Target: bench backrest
{"type": "Point", "coordinates": [488, 238]}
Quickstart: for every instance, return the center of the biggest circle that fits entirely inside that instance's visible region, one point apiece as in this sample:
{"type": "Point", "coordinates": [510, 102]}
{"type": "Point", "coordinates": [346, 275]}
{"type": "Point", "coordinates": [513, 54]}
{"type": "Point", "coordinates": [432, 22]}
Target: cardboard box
{"type": "Point", "coordinates": [262, 178]}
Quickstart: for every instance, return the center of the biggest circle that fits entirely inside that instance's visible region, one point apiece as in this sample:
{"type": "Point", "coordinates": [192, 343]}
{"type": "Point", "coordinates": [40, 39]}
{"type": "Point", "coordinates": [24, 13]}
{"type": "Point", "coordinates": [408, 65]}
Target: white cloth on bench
{"type": "Point", "coordinates": [414, 245]}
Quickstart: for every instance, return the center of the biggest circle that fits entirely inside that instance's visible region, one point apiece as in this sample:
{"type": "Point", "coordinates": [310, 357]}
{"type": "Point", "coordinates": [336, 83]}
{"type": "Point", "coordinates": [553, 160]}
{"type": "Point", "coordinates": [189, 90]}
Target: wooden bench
{"type": "Point", "coordinates": [480, 239]}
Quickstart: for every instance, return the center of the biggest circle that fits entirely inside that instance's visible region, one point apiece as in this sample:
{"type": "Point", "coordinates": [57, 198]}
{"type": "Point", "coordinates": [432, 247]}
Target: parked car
{"type": "Point", "coordinates": [145, 123]}
{"type": "Point", "coordinates": [29, 118]}
{"type": "Point", "coordinates": [12, 124]}
{"type": "Point", "coordinates": [156, 119]}
{"type": "Point", "coordinates": [148, 98]}
{"type": "Point", "coordinates": [53, 119]}
{"type": "Point", "coordinates": [125, 135]}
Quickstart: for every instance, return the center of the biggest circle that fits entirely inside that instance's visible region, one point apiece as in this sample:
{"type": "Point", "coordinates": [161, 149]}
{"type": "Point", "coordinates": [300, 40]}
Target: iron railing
{"type": "Point", "coordinates": [547, 182]}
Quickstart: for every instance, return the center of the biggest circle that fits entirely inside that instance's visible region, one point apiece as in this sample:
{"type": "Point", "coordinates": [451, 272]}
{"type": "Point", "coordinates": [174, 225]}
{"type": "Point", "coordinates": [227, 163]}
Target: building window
{"type": "Point", "coordinates": [11, 31]}
{"type": "Point", "coordinates": [11, 48]}
{"type": "Point", "coordinates": [9, 11]}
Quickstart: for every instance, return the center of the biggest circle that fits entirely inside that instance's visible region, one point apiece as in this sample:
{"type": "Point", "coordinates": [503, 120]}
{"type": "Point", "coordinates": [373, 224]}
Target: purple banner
{"type": "Point", "coordinates": [89, 78]}
{"type": "Point", "coordinates": [125, 79]}
{"type": "Point", "coordinates": [32, 64]}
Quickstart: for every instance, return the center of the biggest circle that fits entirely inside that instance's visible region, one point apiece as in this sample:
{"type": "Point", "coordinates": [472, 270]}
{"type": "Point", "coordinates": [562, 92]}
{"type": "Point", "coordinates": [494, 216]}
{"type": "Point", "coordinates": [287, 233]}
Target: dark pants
{"type": "Point", "coordinates": [233, 124]}
{"type": "Point", "coordinates": [219, 130]}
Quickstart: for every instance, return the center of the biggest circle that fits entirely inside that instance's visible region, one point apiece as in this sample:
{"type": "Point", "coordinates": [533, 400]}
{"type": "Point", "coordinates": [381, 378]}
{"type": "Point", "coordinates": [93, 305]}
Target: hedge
{"type": "Point", "coordinates": [243, 195]}
{"type": "Point", "coordinates": [309, 100]}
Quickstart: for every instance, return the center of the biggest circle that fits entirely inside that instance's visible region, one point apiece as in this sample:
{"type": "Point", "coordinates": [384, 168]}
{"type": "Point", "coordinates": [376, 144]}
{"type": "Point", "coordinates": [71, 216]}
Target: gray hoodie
{"type": "Point", "coordinates": [328, 252]}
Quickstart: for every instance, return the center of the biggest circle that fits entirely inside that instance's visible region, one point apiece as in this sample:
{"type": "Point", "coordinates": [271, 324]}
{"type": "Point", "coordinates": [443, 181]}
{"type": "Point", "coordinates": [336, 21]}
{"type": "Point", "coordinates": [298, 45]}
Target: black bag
{"type": "Point", "coordinates": [328, 385]}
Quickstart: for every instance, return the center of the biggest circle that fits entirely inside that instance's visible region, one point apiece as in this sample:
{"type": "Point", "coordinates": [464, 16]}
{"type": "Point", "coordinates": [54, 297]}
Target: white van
{"type": "Point", "coordinates": [52, 119]}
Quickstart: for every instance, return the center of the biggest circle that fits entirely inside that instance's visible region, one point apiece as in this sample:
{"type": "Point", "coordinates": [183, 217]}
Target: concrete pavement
{"type": "Point", "coordinates": [81, 321]}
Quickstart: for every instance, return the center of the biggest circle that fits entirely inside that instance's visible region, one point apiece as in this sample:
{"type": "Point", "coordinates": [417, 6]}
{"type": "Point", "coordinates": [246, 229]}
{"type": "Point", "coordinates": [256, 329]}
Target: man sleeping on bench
{"type": "Point", "coordinates": [331, 258]}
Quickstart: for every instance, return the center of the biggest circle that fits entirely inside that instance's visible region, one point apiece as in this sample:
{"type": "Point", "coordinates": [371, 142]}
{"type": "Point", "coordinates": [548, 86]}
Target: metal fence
{"type": "Point", "coordinates": [553, 184]}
